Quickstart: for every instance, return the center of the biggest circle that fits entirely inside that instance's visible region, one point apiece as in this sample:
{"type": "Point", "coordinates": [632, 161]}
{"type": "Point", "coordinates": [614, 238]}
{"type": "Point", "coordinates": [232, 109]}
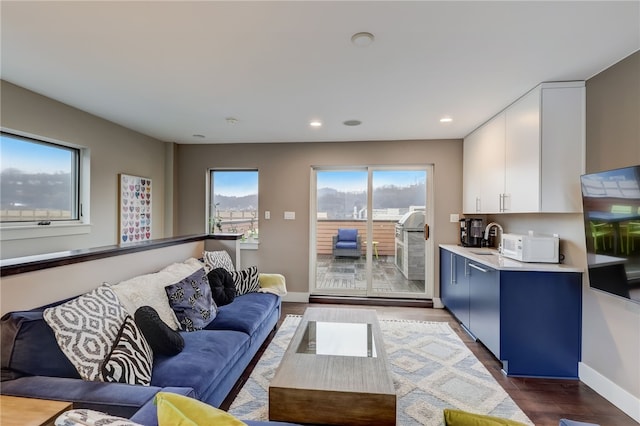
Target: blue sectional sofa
{"type": "Point", "coordinates": [212, 360]}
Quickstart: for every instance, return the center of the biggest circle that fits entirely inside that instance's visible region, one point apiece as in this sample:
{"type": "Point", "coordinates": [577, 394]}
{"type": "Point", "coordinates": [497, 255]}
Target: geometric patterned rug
{"type": "Point", "coordinates": [432, 370]}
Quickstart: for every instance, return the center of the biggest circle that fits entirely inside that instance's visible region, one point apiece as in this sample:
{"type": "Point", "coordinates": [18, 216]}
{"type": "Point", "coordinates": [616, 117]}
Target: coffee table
{"type": "Point", "coordinates": [334, 372]}
{"type": "Point", "coordinates": [15, 410]}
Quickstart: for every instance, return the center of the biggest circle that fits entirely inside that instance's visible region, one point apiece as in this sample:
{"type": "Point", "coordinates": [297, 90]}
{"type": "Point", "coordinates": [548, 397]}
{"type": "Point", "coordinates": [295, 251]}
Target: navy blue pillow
{"type": "Point", "coordinates": [223, 289]}
{"type": "Point", "coordinates": [29, 347]}
{"type": "Point", "coordinates": [191, 300]}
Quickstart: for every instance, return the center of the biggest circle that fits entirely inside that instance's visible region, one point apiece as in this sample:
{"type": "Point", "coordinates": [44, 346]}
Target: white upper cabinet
{"type": "Point", "coordinates": [529, 158]}
{"type": "Point", "coordinates": [483, 170]}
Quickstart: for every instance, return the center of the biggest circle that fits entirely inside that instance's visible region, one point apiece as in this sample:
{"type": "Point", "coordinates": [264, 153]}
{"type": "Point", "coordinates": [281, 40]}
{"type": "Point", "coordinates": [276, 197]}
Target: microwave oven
{"type": "Point", "coordinates": [531, 248]}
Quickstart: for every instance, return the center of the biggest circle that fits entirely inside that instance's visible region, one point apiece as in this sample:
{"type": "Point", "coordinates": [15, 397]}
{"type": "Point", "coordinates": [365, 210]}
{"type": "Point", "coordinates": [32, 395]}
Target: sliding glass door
{"type": "Point", "coordinates": [370, 233]}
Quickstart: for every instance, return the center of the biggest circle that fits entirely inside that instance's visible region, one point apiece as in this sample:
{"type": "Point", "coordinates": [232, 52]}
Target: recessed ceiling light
{"type": "Point", "coordinates": [315, 123]}
{"type": "Point", "coordinates": [446, 120]}
{"type": "Point", "coordinates": [199, 136]}
{"type": "Point", "coordinates": [352, 123]}
{"type": "Point", "coordinates": [362, 39]}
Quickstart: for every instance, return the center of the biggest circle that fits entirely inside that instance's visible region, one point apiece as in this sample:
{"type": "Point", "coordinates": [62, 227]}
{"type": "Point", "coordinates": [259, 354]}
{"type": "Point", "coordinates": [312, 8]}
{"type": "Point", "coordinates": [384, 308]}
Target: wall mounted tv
{"type": "Point", "coordinates": [611, 206]}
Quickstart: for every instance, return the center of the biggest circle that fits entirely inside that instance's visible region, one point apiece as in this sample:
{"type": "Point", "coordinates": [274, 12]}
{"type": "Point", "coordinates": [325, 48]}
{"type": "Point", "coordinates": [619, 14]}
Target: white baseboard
{"type": "Point", "coordinates": [300, 297]}
{"type": "Point", "coordinates": [437, 303]}
{"type": "Point", "coordinates": [619, 397]}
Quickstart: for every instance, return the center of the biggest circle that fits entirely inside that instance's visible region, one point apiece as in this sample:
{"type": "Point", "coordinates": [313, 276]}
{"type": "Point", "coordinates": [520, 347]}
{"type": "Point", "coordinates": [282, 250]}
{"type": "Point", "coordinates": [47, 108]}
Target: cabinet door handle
{"type": "Point", "coordinates": [466, 267]}
{"type": "Point", "coordinates": [477, 204]}
{"type": "Point", "coordinates": [478, 268]}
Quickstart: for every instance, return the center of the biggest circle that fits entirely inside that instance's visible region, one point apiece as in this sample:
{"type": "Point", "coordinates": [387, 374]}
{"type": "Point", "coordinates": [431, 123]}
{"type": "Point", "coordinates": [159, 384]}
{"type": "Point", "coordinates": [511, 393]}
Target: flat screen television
{"type": "Point", "coordinates": [611, 209]}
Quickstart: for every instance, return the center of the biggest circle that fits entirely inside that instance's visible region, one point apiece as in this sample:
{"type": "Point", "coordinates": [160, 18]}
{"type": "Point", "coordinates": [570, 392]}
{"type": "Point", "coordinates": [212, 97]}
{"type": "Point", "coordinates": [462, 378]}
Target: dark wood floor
{"type": "Point", "coordinates": [544, 401]}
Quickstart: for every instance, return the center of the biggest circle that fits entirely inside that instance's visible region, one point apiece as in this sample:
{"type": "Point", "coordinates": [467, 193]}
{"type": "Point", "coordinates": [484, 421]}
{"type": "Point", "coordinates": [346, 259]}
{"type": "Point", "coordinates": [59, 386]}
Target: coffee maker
{"type": "Point", "coordinates": [471, 232]}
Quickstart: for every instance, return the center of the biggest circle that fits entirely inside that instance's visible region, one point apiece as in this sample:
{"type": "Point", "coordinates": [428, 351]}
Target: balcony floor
{"type": "Point", "coordinates": [344, 273]}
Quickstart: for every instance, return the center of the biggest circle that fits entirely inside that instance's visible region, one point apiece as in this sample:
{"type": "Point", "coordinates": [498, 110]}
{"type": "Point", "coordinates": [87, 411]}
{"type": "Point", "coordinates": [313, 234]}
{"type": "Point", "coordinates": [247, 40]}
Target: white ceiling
{"type": "Point", "coordinates": [174, 69]}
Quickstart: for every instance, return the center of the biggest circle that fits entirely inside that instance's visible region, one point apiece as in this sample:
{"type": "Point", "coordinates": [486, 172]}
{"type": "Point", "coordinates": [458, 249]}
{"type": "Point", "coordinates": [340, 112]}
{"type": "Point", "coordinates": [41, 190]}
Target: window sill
{"type": "Point", "coordinates": [249, 245]}
{"type": "Point", "coordinates": [23, 232]}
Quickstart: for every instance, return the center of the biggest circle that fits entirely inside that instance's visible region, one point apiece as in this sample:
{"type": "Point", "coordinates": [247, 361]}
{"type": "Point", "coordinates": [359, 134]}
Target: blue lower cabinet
{"type": "Point", "coordinates": [531, 321]}
{"type": "Point", "coordinates": [541, 327]}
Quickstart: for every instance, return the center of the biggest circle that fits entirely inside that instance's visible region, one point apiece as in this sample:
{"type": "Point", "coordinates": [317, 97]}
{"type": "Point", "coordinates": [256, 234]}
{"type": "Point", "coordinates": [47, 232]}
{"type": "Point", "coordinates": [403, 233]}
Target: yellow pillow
{"type": "Point", "coordinates": [179, 410]}
{"type": "Point", "coordinates": [463, 418]}
{"type": "Point", "coordinates": [273, 283]}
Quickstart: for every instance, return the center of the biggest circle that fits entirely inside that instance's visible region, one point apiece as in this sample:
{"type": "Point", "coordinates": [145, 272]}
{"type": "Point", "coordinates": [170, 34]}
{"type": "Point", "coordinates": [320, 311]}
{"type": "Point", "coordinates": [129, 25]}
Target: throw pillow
{"type": "Point", "coordinates": [86, 328]}
{"type": "Point", "coordinates": [246, 281]}
{"type": "Point", "coordinates": [131, 359]}
{"type": "Point", "coordinates": [174, 409]}
{"type": "Point", "coordinates": [191, 300]}
{"type": "Point", "coordinates": [148, 290]}
{"type": "Point", "coordinates": [273, 283]}
{"type": "Point", "coordinates": [84, 417]}
{"type": "Point", "coordinates": [223, 289]}
{"type": "Point", "coordinates": [162, 339]}
{"type": "Point", "coordinates": [463, 418]}
{"type": "Point", "coordinates": [218, 259]}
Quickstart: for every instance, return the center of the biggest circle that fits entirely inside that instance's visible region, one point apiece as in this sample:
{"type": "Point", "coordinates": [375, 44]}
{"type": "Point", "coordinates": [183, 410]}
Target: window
{"type": "Point", "coordinates": [233, 202]}
{"type": "Point", "coordinates": [39, 181]}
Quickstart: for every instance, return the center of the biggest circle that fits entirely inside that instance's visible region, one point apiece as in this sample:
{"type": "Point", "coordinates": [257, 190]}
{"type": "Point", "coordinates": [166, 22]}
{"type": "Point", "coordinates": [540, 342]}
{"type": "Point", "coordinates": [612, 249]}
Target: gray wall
{"type": "Point", "coordinates": [284, 185]}
{"type": "Point", "coordinates": [114, 150]}
{"type": "Point", "coordinates": [611, 326]}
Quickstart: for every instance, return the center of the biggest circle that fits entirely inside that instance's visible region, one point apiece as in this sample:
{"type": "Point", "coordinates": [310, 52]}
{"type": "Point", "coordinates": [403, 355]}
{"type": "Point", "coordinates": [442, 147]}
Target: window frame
{"type": "Point", "coordinates": [20, 230]}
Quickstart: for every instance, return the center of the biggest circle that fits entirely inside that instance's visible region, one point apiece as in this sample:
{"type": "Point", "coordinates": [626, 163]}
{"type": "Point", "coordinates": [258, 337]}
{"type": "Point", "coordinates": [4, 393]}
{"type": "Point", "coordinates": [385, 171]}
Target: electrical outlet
{"type": "Point", "coordinates": [454, 217]}
{"type": "Point", "coordinates": [267, 214]}
{"type": "Point", "coordinates": [290, 215]}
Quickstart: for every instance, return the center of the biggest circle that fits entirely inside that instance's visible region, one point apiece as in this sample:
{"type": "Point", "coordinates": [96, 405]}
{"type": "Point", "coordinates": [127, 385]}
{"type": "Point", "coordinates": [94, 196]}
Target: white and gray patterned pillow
{"type": "Point", "coordinates": [131, 359]}
{"type": "Point", "coordinates": [217, 259]}
{"type": "Point", "coordinates": [84, 417]}
{"type": "Point", "coordinates": [86, 328]}
{"type": "Point", "coordinates": [246, 281]}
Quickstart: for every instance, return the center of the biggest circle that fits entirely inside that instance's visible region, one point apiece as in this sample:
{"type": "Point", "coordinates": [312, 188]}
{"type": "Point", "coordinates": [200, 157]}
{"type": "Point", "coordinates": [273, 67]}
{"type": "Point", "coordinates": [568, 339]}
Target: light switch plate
{"type": "Point", "coordinates": [454, 217]}
{"type": "Point", "coordinates": [290, 215]}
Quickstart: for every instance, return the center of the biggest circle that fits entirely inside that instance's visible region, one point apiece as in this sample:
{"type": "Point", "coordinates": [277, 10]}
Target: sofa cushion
{"type": "Point", "coordinates": [131, 359]}
{"type": "Point", "coordinates": [246, 281]}
{"type": "Point", "coordinates": [148, 290]}
{"type": "Point", "coordinates": [223, 289]}
{"type": "Point", "coordinates": [117, 399]}
{"type": "Point", "coordinates": [247, 313]}
{"type": "Point", "coordinates": [348, 234]}
{"type": "Point", "coordinates": [190, 299]}
{"type": "Point", "coordinates": [206, 358]}
{"type": "Point", "coordinates": [86, 328]}
{"type": "Point", "coordinates": [29, 347]}
{"type": "Point", "coordinates": [160, 336]}
{"type": "Point", "coordinates": [176, 409]}
{"type": "Point", "coordinates": [346, 245]}
{"type": "Point", "coordinates": [217, 259]}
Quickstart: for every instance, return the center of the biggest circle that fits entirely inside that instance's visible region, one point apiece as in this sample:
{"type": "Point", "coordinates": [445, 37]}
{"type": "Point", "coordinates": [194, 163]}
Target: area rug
{"type": "Point", "coordinates": [432, 370]}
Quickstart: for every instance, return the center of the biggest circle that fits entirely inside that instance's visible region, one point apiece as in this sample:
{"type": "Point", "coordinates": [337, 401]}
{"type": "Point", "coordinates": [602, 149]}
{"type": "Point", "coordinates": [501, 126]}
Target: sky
{"type": "Point", "coordinates": [235, 183]}
{"type": "Point", "coordinates": [32, 157]}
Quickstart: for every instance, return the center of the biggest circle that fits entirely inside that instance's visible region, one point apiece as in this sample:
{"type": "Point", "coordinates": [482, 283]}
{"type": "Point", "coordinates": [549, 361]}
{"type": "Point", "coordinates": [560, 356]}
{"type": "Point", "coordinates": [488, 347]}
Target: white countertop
{"type": "Point", "coordinates": [491, 258]}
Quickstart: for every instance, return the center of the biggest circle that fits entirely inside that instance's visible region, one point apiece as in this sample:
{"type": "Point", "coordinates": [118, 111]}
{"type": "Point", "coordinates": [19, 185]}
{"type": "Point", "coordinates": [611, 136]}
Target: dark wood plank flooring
{"type": "Point", "coordinates": [545, 401]}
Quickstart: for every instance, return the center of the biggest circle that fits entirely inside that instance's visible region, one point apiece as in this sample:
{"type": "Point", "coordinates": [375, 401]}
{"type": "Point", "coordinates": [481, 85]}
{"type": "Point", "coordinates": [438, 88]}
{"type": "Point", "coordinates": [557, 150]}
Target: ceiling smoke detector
{"type": "Point", "coordinates": [362, 39]}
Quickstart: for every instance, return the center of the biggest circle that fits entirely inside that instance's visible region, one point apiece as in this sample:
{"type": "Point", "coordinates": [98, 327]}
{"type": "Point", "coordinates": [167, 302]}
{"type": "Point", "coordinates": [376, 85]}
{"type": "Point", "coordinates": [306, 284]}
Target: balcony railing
{"type": "Point", "coordinates": [383, 232]}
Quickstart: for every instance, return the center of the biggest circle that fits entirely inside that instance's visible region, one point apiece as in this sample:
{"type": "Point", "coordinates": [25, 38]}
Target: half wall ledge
{"type": "Point", "coordinates": [24, 264]}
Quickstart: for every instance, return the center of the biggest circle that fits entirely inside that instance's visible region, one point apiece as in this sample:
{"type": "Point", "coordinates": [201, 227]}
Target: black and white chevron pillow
{"type": "Point", "coordinates": [246, 281]}
{"type": "Point", "coordinates": [86, 328]}
{"type": "Point", "coordinates": [217, 259]}
{"type": "Point", "coordinates": [131, 359]}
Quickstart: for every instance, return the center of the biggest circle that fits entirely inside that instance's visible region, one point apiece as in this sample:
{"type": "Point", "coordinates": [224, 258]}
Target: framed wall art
{"type": "Point", "coordinates": [134, 223]}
